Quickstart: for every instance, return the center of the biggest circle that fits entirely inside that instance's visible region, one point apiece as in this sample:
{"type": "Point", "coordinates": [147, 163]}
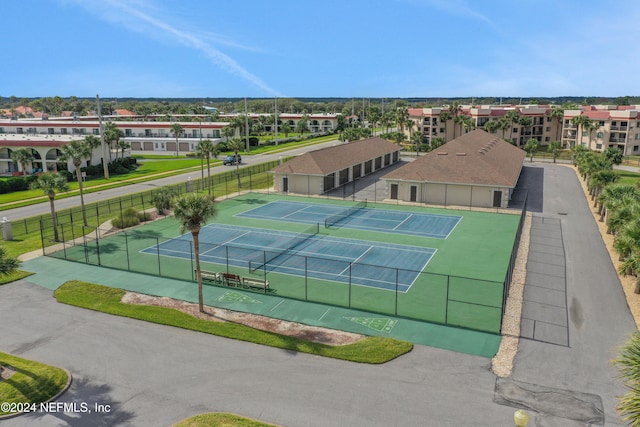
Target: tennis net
{"type": "Point", "coordinates": [341, 216]}
{"type": "Point", "coordinates": [268, 256]}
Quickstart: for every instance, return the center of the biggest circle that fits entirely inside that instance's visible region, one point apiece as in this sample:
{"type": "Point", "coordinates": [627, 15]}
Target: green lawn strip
{"type": "Point", "coordinates": [220, 419]}
{"type": "Point", "coordinates": [373, 350]}
{"type": "Point", "coordinates": [12, 277]}
{"type": "Point", "coordinates": [33, 382]}
{"type": "Point", "coordinates": [627, 177]}
{"type": "Point", "coordinates": [154, 171]}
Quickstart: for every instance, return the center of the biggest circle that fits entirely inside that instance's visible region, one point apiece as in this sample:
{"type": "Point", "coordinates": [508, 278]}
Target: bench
{"type": "Point", "coordinates": [210, 276]}
{"type": "Point", "coordinates": [231, 279]}
{"type": "Point", "coordinates": [248, 282]}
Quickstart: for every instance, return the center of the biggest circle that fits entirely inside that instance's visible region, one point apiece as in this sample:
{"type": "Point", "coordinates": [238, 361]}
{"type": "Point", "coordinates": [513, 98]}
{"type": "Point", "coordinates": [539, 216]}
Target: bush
{"type": "Point", "coordinates": [4, 188]}
{"type": "Point", "coordinates": [129, 218]}
{"type": "Point", "coordinates": [190, 154]}
{"type": "Point", "coordinates": [91, 170]}
{"type": "Point", "coordinates": [143, 216]}
{"type": "Point", "coordinates": [17, 184]}
{"type": "Point", "coordinates": [121, 170]}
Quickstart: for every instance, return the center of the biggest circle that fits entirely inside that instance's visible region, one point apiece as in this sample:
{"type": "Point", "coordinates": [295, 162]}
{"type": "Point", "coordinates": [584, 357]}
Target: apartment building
{"type": "Point", "coordinates": [619, 126]}
{"type": "Point", "coordinates": [44, 138]}
{"type": "Point", "coordinates": [318, 123]}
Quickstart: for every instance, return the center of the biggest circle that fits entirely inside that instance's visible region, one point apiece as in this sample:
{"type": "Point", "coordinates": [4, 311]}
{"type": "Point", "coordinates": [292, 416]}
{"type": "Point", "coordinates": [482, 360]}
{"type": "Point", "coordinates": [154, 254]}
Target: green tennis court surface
{"type": "Point", "coordinates": [441, 266]}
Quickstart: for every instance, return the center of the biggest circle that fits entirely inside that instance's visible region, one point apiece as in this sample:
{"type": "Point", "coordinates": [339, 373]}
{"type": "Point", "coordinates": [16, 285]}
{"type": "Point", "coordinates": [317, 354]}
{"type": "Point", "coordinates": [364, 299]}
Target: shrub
{"type": "Point", "coordinates": [4, 188]}
{"type": "Point", "coordinates": [121, 170]}
{"type": "Point", "coordinates": [143, 216]}
{"type": "Point", "coordinates": [162, 199]}
{"type": "Point", "coordinates": [17, 184]}
{"type": "Point", "coordinates": [129, 218]}
{"type": "Point", "coordinates": [190, 154]}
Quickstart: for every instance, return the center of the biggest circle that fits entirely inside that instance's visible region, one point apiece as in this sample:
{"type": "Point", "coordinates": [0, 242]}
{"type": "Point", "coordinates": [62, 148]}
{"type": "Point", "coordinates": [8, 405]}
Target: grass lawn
{"type": "Point", "coordinates": [373, 350]}
{"type": "Point", "coordinates": [16, 275]}
{"type": "Point", "coordinates": [627, 177]}
{"type": "Point", "coordinates": [33, 382]}
{"type": "Point", "coordinates": [220, 419]}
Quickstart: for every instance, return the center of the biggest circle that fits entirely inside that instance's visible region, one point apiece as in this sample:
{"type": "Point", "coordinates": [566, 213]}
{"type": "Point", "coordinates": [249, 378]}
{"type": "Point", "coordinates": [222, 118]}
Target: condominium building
{"type": "Point", "coordinates": [615, 126]}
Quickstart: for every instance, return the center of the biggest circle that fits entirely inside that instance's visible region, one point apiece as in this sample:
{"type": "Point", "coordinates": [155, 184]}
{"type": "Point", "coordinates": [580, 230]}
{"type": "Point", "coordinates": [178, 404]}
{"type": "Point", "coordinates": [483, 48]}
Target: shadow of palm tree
{"type": "Point", "coordinates": [81, 400]}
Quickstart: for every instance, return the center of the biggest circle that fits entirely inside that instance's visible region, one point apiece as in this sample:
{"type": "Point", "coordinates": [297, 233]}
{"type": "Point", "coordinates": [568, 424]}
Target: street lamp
{"type": "Point", "coordinates": [521, 418]}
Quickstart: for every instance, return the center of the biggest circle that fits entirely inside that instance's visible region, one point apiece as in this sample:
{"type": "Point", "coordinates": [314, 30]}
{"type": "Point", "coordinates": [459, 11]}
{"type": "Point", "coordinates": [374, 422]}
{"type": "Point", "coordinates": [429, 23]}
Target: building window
{"type": "Point", "coordinates": [96, 131]}
{"type": "Point", "coordinates": [63, 131]}
{"type": "Point", "coordinates": [19, 130]}
{"type": "Point", "coordinates": [548, 129]}
{"type": "Point", "coordinates": [128, 132]}
{"type": "Point", "coordinates": [635, 148]}
{"type": "Point", "coordinates": [515, 130]}
{"type": "Point", "coordinates": [441, 130]}
{"type": "Point", "coordinates": [147, 132]}
{"type": "Point", "coordinates": [598, 146]}
{"type": "Point", "coordinates": [601, 123]}
{"type": "Point", "coordinates": [50, 131]}
{"type": "Point", "coordinates": [1, 130]}
{"type": "Point", "coordinates": [547, 139]}
{"type": "Point", "coordinates": [637, 135]}
{"type": "Point", "coordinates": [600, 134]}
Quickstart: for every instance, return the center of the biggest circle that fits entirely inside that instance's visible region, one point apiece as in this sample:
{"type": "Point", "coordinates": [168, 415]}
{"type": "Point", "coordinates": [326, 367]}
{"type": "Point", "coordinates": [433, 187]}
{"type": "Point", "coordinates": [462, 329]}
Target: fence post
{"type": "Point", "coordinates": [126, 245]}
{"type": "Point", "coordinates": [158, 251]}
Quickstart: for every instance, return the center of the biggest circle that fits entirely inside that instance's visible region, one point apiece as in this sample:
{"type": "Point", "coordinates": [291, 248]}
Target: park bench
{"type": "Point", "coordinates": [210, 276]}
{"type": "Point", "coordinates": [231, 279]}
{"type": "Point", "coordinates": [255, 283]}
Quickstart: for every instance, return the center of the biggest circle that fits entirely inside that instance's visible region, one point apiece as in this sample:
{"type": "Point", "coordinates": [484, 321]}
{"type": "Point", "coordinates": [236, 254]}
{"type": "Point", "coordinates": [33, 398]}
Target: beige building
{"type": "Point", "coordinates": [618, 126]}
{"type": "Point", "coordinates": [319, 171]}
{"type": "Point", "coordinates": [475, 169]}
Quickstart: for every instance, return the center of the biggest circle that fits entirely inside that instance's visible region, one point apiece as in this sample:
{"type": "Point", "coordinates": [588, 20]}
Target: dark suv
{"type": "Point", "coordinates": [231, 160]}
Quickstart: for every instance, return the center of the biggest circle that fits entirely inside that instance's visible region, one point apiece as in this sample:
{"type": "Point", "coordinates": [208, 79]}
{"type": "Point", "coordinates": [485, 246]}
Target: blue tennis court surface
{"type": "Point", "coordinates": [416, 224]}
{"type": "Point", "coordinates": [358, 262]}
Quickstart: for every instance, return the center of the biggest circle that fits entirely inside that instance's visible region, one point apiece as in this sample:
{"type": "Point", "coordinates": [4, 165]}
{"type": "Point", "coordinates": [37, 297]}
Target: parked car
{"type": "Point", "coordinates": [231, 160]}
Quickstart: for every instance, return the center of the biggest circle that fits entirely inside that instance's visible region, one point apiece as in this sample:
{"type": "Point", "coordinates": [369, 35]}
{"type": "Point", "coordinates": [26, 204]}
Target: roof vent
{"type": "Point", "coordinates": [461, 154]}
{"type": "Point", "coordinates": [442, 153]}
{"type": "Point", "coordinates": [481, 151]}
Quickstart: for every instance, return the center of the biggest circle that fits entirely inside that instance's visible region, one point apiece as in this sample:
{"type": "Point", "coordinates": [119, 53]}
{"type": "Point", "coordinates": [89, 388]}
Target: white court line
{"type": "Point", "coordinates": [355, 261]}
{"type": "Point", "coordinates": [403, 221]}
{"type": "Point", "coordinates": [325, 313]}
{"type": "Point", "coordinates": [276, 306]}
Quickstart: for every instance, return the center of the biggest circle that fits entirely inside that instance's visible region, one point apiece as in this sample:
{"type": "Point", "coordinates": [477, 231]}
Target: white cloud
{"type": "Point", "coordinates": [132, 16]}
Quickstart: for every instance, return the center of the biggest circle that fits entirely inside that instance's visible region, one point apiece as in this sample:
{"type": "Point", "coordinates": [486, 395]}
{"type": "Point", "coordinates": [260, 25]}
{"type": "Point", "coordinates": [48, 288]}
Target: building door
{"type": "Point", "coordinates": [414, 194]}
{"type": "Point", "coordinates": [497, 199]}
{"type": "Point", "coordinates": [285, 184]}
{"type": "Point", "coordinates": [394, 191]}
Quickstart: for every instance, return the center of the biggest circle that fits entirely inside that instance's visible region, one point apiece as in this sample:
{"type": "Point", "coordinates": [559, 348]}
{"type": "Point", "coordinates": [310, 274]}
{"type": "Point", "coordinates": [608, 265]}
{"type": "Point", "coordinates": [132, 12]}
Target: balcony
{"type": "Point", "coordinates": [619, 128]}
{"type": "Point", "coordinates": [617, 139]}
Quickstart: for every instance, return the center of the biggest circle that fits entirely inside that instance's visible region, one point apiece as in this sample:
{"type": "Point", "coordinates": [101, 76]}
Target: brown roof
{"type": "Point", "coordinates": [332, 159]}
{"type": "Point", "coordinates": [474, 158]}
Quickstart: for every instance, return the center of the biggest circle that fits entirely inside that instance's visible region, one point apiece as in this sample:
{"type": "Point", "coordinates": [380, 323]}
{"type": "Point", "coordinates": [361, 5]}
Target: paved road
{"type": "Point", "coordinates": [44, 208]}
{"type": "Point", "coordinates": [154, 375]}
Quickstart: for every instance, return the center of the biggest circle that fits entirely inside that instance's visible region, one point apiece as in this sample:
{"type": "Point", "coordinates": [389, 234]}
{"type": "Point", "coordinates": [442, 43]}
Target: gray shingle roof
{"type": "Point", "coordinates": [474, 158]}
{"type": "Point", "coordinates": [331, 159]}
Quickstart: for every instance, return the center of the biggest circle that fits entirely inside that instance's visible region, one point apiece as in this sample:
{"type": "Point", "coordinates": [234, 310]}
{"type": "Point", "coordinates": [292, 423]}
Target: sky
{"type": "Point", "coordinates": [332, 48]}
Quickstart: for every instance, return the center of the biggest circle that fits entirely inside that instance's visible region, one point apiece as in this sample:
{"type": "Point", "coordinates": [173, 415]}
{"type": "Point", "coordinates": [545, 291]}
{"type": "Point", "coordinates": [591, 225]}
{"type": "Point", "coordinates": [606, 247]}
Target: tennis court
{"type": "Point", "coordinates": [358, 217]}
{"type": "Point", "coordinates": [435, 265]}
{"type": "Point", "coordinates": [357, 262]}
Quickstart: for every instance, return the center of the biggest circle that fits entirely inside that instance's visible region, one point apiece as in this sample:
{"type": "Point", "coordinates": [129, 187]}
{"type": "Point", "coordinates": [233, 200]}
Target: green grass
{"type": "Point", "coordinates": [12, 277]}
{"type": "Point", "coordinates": [33, 382]}
{"type": "Point", "coordinates": [373, 350]}
{"type": "Point", "coordinates": [627, 177]}
{"type": "Point", "coordinates": [220, 419]}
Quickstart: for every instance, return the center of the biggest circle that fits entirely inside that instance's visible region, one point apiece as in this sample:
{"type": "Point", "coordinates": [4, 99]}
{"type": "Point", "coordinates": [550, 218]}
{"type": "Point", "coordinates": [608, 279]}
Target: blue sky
{"type": "Point", "coordinates": [300, 48]}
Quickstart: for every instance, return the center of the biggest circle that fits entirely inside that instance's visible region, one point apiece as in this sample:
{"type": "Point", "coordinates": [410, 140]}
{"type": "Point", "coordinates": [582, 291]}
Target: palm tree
{"type": "Point", "coordinates": [468, 124]}
{"type": "Point", "coordinates": [491, 126]}
{"type": "Point", "coordinates": [512, 117]}
{"type": "Point", "coordinates": [504, 125]}
{"type": "Point", "coordinates": [402, 115]}
{"type": "Point", "coordinates": [628, 362]}
{"type": "Point", "coordinates": [228, 132]}
{"type": "Point", "coordinates": [177, 130]}
{"type": "Point", "coordinates": [591, 127]}
{"type": "Point", "coordinates": [77, 151]}
{"type": "Point", "coordinates": [112, 136]}
{"type": "Point", "coordinates": [445, 116]}
{"type": "Point", "coordinates": [161, 199]}
{"type": "Point", "coordinates": [580, 121]}
{"type": "Point", "coordinates": [50, 183]}
{"type": "Point", "coordinates": [417, 139]}
{"type": "Point", "coordinates": [612, 194]}
{"type": "Point", "coordinates": [236, 145]}
{"type": "Point", "coordinates": [193, 210]}
{"type": "Point", "coordinates": [600, 180]}
{"type": "Point", "coordinates": [530, 147]}
{"type": "Point", "coordinates": [22, 156]}
{"type": "Point", "coordinates": [205, 149]}
{"type": "Point", "coordinates": [286, 129]}
{"type": "Point", "coordinates": [454, 111]}
{"type": "Point", "coordinates": [555, 147]}
{"type": "Point", "coordinates": [410, 124]}
{"type": "Point", "coordinates": [7, 264]}
{"type": "Point", "coordinates": [374, 115]}
{"type": "Point", "coordinates": [557, 114]}
{"type": "Point", "coordinates": [123, 146]}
